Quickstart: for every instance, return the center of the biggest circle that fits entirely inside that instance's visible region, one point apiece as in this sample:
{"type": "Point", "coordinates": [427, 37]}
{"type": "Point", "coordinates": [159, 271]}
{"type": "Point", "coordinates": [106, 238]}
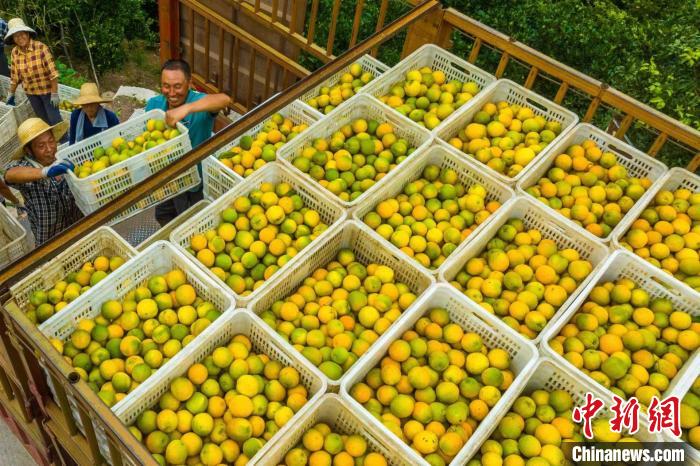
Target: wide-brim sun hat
{"type": "Point", "coordinates": [14, 26]}
{"type": "Point", "coordinates": [89, 94]}
{"type": "Point", "coordinates": [32, 128]}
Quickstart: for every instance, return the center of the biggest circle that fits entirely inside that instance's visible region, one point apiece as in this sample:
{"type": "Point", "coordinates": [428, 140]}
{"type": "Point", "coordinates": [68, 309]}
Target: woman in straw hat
{"type": "Point", "coordinates": [37, 174]}
{"type": "Point", "coordinates": [33, 67]}
{"type": "Point", "coordinates": [91, 118]}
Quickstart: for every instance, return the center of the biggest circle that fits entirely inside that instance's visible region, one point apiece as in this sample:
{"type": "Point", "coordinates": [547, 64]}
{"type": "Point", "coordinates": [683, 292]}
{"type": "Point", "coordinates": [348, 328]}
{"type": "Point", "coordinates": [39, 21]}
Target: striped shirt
{"type": "Point", "coordinates": [49, 204]}
{"type": "Point", "coordinates": [3, 29]}
{"type": "Point", "coordinates": [34, 68]}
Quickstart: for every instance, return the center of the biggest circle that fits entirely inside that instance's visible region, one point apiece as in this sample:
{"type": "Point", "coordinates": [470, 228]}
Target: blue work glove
{"type": "Point", "coordinates": [55, 100]}
{"type": "Point", "coordinates": [58, 168]}
{"type": "Point", "coordinates": [11, 99]}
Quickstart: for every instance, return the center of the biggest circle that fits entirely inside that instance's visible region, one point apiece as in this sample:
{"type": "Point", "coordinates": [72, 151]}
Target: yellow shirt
{"type": "Point", "coordinates": [34, 68]}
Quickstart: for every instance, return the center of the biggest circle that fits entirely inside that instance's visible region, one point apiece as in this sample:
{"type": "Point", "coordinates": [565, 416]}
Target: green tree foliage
{"type": "Point", "coordinates": [69, 76]}
{"type": "Point", "coordinates": [389, 53]}
{"type": "Point", "coordinates": [649, 49]}
{"type": "Point", "coordinates": [107, 26]}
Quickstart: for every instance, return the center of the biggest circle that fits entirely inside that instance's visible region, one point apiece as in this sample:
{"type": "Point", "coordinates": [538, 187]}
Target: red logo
{"type": "Point", "coordinates": [626, 415]}
{"type": "Point", "coordinates": [665, 415]}
{"type": "Point", "coordinates": [662, 414]}
{"type": "Point", "coordinates": [586, 412]}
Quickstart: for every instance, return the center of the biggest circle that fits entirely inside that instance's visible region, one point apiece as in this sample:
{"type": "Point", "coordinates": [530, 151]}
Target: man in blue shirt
{"type": "Point", "coordinates": [197, 111]}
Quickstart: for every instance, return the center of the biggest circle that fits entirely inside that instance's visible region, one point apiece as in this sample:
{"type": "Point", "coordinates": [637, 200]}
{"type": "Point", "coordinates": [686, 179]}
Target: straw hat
{"type": "Point", "coordinates": [89, 94]}
{"type": "Point", "coordinates": [32, 128]}
{"type": "Point", "coordinates": [16, 25]}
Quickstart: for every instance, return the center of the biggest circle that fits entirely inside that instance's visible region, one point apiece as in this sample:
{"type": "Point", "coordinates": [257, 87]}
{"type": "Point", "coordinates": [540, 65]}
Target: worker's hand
{"type": "Point", "coordinates": [58, 168]}
{"type": "Point", "coordinates": [11, 99]}
{"type": "Point", "coordinates": [55, 100]}
{"type": "Point", "coordinates": [174, 116]}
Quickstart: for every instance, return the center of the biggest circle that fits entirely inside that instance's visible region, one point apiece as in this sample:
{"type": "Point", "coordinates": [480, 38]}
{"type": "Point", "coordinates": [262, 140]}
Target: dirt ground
{"type": "Point", "coordinates": [141, 70]}
{"type": "Point", "coordinates": [124, 106]}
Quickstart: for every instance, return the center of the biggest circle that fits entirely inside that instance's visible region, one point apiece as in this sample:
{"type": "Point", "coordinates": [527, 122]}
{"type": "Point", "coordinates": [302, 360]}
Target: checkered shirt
{"type": "Point", "coordinates": [49, 204]}
{"type": "Point", "coordinates": [34, 68]}
{"type": "Point", "coordinates": [3, 31]}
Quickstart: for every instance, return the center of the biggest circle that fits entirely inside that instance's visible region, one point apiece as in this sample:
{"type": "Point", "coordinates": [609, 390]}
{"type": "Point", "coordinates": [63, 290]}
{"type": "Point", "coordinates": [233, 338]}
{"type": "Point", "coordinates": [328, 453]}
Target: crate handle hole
{"type": "Point", "coordinates": [73, 377]}
{"type": "Point", "coordinates": [310, 116]}
{"type": "Point", "coordinates": [460, 68]}
{"type": "Point", "coordinates": [623, 153]}
{"type": "Point", "coordinates": [558, 229]}
{"type": "Point", "coordinates": [373, 437]}
{"type": "Point", "coordinates": [663, 287]}
{"type": "Point", "coordinates": [536, 104]}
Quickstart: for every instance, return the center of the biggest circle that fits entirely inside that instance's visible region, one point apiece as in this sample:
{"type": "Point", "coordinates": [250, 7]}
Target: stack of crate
{"type": "Point", "coordinates": [533, 362]}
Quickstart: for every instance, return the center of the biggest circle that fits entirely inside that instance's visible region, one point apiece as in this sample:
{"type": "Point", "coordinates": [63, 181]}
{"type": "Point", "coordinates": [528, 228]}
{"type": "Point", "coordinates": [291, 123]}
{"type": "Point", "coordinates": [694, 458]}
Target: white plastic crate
{"type": "Point", "coordinates": [160, 258]}
{"type": "Point", "coordinates": [471, 318]}
{"type": "Point", "coordinates": [100, 188]}
{"type": "Point", "coordinates": [436, 58]}
{"type": "Point", "coordinates": [190, 179]}
{"type": "Point", "coordinates": [235, 322]}
{"type": "Point", "coordinates": [666, 436]}
{"type": "Point", "coordinates": [64, 93]}
{"type": "Point", "coordinates": [140, 93]}
{"type": "Point", "coordinates": [442, 154]}
{"type": "Point", "coordinates": [340, 417]}
{"type": "Point", "coordinates": [637, 163]}
{"type": "Point", "coordinates": [23, 111]}
{"type": "Point", "coordinates": [674, 179]}
{"type": "Point", "coordinates": [513, 93]}
{"type": "Point", "coordinates": [8, 125]}
{"type": "Point", "coordinates": [8, 150]}
{"type": "Point", "coordinates": [101, 242]}
{"type": "Point", "coordinates": [182, 183]}
{"type": "Point", "coordinates": [656, 282]}
{"type": "Point", "coordinates": [14, 242]}
{"type": "Point", "coordinates": [164, 233]}
{"type": "Point", "coordinates": [691, 453]}
{"type": "Point", "coordinates": [368, 64]}
{"type": "Point", "coordinates": [209, 218]}
{"type": "Point", "coordinates": [360, 106]}
{"type": "Point", "coordinates": [5, 83]}
{"type": "Point", "coordinates": [534, 216]}
{"type": "Point", "coordinates": [137, 113]}
{"type": "Point", "coordinates": [13, 238]}
{"type": "Point", "coordinates": [218, 178]}
{"type": "Point", "coordinates": [367, 250]}
{"type": "Point", "coordinates": [4, 109]}
{"type": "Point", "coordinates": [68, 94]}
{"type": "Point", "coordinates": [547, 375]}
